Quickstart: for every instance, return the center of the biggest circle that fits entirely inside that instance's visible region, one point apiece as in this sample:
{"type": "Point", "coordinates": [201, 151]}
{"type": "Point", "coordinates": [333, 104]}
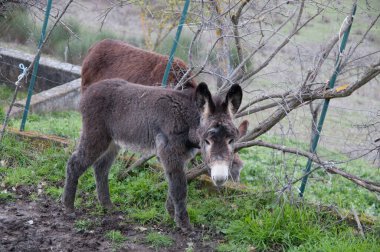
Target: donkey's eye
{"type": "Point", "coordinates": [207, 142]}
{"type": "Point", "coordinates": [231, 141]}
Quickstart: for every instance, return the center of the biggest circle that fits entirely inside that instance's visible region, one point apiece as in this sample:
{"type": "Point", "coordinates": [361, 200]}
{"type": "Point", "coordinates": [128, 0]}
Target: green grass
{"type": "Point", "coordinates": [158, 240]}
{"type": "Point", "coordinates": [64, 124]}
{"type": "Point", "coordinates": [83, 225]}
{"type": "Point", "coordinates": [251, 219]}
{"type": "Point", "coordinates": [6, 196]}
{"type": "Point", "coordinates": [116, 238]}
{"type": "Point", "coordinates": [6, 95]}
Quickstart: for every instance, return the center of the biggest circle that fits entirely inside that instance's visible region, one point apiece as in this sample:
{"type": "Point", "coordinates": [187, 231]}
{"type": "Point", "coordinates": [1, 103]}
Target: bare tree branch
{"type": "Point", "coordinates": [351, 52]}
{"type": "Point", "coordinates": [303, 97]}
{"type": "Point", "coordinates": [235, 21]}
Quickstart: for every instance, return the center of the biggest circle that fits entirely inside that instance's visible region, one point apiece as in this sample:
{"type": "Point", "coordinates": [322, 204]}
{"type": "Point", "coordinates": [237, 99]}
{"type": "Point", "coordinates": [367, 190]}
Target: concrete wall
{"type": "Point", "coordinates": [60, 98]}
{"type": "Point", "coordinates": [51, 73]}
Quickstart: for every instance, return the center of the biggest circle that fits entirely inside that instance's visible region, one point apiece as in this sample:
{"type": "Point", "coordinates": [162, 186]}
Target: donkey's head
{"type": "Point", "coordinates": [217, 132]}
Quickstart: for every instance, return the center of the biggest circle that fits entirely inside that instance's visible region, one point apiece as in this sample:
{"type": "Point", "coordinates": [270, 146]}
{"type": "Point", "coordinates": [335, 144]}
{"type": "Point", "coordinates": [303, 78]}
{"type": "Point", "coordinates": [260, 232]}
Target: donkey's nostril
{"type": "Point", "coordinates": [219, 181]}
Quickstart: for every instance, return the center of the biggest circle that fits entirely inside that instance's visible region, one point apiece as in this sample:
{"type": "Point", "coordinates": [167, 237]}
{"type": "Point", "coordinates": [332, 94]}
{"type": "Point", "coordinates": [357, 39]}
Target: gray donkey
{"type": "Point", "coordinates": [109, 59]}
{"type": "Point", "coordinates": [172, 124]}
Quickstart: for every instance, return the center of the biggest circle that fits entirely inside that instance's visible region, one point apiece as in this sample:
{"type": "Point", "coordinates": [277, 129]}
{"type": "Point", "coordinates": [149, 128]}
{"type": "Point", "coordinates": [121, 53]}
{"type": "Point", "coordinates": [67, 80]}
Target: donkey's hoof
{"type": "Point", "coordinates": [188, 230]}
{"type": "Point", "coordinates": [109, 207]}
{"type": "Point", "coordinates": [171, 213]}
{"type": "Point", "coordinates": [69, 213]}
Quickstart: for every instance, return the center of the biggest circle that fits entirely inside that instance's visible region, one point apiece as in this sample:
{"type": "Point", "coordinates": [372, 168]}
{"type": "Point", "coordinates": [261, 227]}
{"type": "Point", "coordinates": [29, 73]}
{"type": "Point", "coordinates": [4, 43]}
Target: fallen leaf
{"type": "Point", "coordinates": [342, 87]}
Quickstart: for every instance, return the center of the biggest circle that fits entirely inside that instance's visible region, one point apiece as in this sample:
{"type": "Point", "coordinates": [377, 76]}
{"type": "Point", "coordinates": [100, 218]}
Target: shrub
{"type": "Point", "coordinates": [16, 25]}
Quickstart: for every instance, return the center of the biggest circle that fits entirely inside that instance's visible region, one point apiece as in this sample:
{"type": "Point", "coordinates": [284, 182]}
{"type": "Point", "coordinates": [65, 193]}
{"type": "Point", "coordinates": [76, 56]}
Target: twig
{"type": "Point", "coordinates": [254, 110]}
{"type": "Point", "coordinates": [234, 74]}
{"type": "Point", "coordinates": [235, 21]}
{"type": "Point", "coordinates": [284, 43]}
{"type": "Point", "coordinates": [222, 63]}
{"type": "Point", "coordinates": [263, 98]}
{"type": "Point", "coordinates": [360, 227]}
{"type": "Point", "coordinates": [139, 162]}
{"type": "Point", "coordinates": [360, 41]}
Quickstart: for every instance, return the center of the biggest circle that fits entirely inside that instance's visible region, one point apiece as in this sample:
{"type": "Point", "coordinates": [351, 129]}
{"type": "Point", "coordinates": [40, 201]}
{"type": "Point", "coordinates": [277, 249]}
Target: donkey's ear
{"type": "Point", "coordinates": [243, 127]}
{"type": "Point", "coordinates": [203, 99]}
{"type": "Point", "coordinates": [233, 98]}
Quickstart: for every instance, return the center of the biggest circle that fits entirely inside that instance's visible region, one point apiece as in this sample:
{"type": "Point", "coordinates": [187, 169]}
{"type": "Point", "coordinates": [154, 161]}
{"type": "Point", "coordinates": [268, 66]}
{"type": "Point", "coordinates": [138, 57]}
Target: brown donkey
{"type": "Point", "coordinates": [109, 59]}
{"type": "Point", "coordinates": [116, 59]}
{"type": "Point", "coordinates": [171, 124]}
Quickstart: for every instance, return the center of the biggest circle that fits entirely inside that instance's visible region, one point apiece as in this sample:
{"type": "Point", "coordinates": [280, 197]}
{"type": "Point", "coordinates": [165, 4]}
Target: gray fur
{"type": "Point", "coordinates": [166, 122]}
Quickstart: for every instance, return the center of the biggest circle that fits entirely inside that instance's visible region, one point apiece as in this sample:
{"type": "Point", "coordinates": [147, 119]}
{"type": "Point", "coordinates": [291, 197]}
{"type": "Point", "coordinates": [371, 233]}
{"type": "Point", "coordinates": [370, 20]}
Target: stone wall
{"type": "Point", "coordinates": [60, 98]}
{"type": "Point", "coordinates": [51, 73]}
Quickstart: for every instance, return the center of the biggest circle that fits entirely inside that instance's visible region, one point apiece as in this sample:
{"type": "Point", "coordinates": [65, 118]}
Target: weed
{"type": "Point", "coordinates": [2, 114]}
{"type": "Point", "coordinates": [54, 192]}
{"type": "Point", "coordinates": [6, 196]}
{"type": "Point", "coordinates": [84, 225]}
{"type": "Point", "coordinates": [6, 95]}
{"type": "Point", "coordinates": [116, 238]}
{"type": "Point", "coordinates": [158, 240]}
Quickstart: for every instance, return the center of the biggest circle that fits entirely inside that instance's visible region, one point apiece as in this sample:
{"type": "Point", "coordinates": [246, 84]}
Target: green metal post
{"type": "Point", "coordinates": [35, 66]}
{"type": "Point", "coordinates": [326, 103]}
{"type": "Point", "coordinates": [175, 43]}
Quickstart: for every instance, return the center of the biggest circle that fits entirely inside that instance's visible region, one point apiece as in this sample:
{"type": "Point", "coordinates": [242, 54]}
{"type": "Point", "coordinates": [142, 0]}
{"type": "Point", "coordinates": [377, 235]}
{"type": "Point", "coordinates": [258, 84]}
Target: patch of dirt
{"type": "Point", "coordinates": [41, 225]}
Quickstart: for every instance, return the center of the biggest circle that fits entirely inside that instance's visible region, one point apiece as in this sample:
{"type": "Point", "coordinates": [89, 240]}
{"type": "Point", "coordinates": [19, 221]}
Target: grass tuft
{"type": "Point", "coordinates": [158, 240]}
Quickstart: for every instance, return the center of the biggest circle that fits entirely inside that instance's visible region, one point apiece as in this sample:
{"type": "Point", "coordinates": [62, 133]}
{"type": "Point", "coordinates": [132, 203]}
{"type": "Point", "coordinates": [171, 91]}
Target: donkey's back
{"type": "Point", "coordinates": [116, 59]}
{"type": "Point", "coordinates": [132, 115]}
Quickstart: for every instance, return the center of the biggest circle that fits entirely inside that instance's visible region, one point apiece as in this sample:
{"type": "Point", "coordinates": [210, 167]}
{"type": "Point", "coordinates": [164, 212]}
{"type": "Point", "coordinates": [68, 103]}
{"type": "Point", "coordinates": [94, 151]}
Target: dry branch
{"type": "Point", "coordinates": [39, 137]}
{"type": "Point", "coordinates": [136, 163]}
{"type": "Point", "coordinates": [360, 227]}
{"type": "Point", "coordinates": [263, 98]}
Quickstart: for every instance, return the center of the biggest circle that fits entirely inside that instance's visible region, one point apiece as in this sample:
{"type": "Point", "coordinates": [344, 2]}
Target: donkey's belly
{"type": "Point", "coordinates": [142, 148]}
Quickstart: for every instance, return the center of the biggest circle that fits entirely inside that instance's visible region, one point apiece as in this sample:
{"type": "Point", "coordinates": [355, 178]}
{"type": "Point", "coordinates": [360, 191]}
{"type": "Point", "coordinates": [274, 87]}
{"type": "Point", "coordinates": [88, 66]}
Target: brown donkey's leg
{"type": "Point", "coordinates": [101, 170]}
{"type": "Point", "coordinates": [89, 149]}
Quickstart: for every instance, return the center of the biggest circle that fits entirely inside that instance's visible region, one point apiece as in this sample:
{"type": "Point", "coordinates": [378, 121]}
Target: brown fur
{"type": "Point", "coordinates": [109, 59]}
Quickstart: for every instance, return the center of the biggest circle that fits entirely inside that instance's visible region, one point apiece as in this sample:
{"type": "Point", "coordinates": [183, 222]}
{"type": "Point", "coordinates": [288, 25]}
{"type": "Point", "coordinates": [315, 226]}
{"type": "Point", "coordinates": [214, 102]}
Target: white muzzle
{"type": "Point", "coordinates": [219, 172]}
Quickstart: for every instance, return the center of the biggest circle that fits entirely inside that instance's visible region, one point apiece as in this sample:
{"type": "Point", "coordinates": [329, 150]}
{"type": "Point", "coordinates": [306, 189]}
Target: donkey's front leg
{"type": "Point", "coordinates": [174, 165]}
{"type": "Point", "coordinates": [177, 194]}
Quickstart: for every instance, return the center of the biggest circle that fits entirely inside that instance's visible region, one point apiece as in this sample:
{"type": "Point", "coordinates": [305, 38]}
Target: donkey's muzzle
{"type": "Point", "coordinates": [219, 181]}
{"type": "Point", "coordinates": [219, 173]}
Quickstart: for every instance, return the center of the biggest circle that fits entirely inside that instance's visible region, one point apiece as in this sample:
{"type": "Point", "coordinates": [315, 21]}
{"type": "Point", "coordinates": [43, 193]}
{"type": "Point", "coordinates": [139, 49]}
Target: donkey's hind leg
{"type": "Point", "coordinates": [101, 169]}
{"type": "Point", "coordinates": [83, 157]}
